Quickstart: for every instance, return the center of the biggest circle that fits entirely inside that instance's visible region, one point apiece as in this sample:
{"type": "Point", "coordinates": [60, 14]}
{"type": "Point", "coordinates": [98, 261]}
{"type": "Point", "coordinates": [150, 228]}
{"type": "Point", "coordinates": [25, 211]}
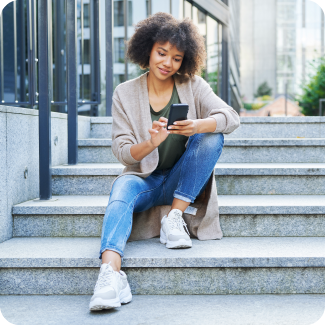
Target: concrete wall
{"type": "Point", "coordinates": [19, 152]}
{"type": "Point", "coordinates": [257, 45]}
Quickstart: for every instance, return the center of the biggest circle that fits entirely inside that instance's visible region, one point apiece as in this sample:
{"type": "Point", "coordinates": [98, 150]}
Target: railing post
{"type": "Point", "coordinates": [59, 88]}
{"type": "Point", "coordinates": [225, 86]}
{"type": "Point", "coordinates": [72, 98]}
{"type": "Point", "coordinates": [45, 89]}
{"type": "Point", "coordinates": [1, 60]}
{"type": "Point", "coordinates": [22, 48]}
{"type": "Point", "coordinates": [322, 100]}
{"type": "Point", "coordinates": [95, 55]}
{"type": "Point", "coordinates": [109, 56]}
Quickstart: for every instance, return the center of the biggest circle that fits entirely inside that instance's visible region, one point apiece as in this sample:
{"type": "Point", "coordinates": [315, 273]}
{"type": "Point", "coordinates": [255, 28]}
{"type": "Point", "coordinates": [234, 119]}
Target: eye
{"type": "Point", "coordinates": [177, 60]}
{"type": "Point", "coordinates": [160, 53]}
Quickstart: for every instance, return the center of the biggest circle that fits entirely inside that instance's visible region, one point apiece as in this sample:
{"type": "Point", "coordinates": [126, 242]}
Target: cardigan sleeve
{"type": "Point", "coordinates": [122, 135]}
{"type": "Point", "coordinates": [213, 106]}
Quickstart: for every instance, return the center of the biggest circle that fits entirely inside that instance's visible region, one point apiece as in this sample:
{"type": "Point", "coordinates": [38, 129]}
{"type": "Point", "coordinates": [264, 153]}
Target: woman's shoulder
{"type": "Point", "coordinates": [195, 85]}
{"type": "Point", "coordinates": [195, 81]}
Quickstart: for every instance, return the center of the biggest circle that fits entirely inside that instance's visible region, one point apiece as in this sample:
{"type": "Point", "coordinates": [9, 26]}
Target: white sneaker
{"type": "Point", "coordinates": [172, 232]}
{"type": "Point", "coordinates": [111, 289]}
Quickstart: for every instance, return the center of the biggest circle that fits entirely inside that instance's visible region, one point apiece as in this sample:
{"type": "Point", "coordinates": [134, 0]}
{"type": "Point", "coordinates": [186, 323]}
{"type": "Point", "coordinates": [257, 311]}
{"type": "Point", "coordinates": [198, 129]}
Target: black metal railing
{"type": "Point", "coordinates": [27, 32]}
{"type": "Point", "coordinates": [38, 36]}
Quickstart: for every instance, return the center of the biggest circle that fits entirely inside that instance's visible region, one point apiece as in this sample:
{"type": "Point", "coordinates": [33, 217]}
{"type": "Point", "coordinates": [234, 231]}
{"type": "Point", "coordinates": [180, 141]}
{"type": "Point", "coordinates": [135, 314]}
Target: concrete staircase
{"type": "Point", "coordinates": [271, 187]}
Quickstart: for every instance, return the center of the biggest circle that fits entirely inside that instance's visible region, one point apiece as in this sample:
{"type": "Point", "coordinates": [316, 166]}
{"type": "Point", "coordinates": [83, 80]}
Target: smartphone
{"type": "Point", "coordinates": [178, 112]}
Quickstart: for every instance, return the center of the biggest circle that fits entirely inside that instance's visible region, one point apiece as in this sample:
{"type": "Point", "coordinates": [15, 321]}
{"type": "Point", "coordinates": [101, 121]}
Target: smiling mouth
{"type": "Point", "coordinates": [163, 70]}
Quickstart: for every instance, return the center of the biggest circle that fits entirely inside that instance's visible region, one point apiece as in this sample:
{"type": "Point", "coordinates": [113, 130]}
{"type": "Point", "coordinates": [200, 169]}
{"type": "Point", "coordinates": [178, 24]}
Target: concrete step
{"type": "Point", "coordinates": [251, 127]}
{"type": "Point", "coordinates": [235, 151]}
{"type": "Point", "coordinates": [240, 216]}
{"type": "Point", "coordinates": [167, 309]}
{"type": "Point", "coordinates": [231, 179]}
{"type": "Point", "coordinates": [252, 265]}
{"type": "Point", "coordinates": [101, 127]}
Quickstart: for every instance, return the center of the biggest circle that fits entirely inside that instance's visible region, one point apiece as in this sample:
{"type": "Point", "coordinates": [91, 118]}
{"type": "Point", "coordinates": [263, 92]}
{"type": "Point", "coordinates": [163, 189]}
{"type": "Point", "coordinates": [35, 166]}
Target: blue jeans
{"type": "Point", "coordinates": [186, 180]}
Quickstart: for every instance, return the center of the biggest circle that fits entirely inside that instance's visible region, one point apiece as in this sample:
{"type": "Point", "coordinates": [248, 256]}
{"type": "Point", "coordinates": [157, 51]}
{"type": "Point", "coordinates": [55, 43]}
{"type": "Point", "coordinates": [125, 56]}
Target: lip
{"type": "Point", "coordinates": [163, 71]}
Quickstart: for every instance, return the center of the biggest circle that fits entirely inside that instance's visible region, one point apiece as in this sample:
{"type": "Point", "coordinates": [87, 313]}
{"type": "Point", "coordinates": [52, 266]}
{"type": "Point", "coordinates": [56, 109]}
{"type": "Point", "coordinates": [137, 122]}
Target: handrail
{"type": "Point", "coordinates": [72, 75]}
{"type": "Point", "coordinates": [30, 35]}
{"type": "Point", "coordinates": [1, 59]}
{"type": "Point", "coordinates": [45, 95]}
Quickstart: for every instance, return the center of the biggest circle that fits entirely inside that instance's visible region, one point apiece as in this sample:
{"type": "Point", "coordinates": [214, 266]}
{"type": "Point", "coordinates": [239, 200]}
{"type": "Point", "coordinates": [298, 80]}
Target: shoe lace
{"type": "Point", "coordinates": [105, 277]}
{"type": "Point", "coordinates": [177, 222]}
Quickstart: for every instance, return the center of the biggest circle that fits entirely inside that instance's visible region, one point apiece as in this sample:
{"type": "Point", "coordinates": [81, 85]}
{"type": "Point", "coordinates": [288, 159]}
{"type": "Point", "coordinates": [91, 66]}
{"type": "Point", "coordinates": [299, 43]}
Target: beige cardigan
{"type": "Point", "coordinates": [131, 121]}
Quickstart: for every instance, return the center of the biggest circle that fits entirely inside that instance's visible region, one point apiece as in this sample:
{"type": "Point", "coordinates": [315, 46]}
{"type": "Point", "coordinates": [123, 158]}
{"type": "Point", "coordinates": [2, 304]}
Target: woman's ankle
{"type": "Point", "coordinates": [113, 258]}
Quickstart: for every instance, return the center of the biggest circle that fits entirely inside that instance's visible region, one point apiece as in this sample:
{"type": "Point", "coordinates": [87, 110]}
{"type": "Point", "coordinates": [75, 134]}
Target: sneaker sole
{"type": "Point", "coordinates": [100, 304]}
{"type": "Point", "coordinates": [181, 243]}
{"type": "Point", "coordinates": [126, 295]}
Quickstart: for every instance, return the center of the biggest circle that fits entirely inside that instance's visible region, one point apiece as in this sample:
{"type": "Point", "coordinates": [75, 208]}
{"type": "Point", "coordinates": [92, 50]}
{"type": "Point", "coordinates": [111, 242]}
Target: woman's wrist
{"type": "Point", "coordinates": [151, 145]}
{"type": "Point", "coordinates": [206, 125]}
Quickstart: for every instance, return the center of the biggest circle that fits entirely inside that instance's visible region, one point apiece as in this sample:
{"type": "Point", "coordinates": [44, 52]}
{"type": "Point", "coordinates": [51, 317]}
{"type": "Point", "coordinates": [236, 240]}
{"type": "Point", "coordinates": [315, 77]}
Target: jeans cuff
{"type": "Point", "coordinates": [184, 197]}
{"type": "Point", "coordinates": [110, 248]}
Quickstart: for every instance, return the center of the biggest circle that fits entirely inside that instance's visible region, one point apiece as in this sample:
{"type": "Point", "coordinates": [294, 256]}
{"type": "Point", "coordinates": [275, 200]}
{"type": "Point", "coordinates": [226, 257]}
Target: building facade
{"type": "Point", "coordinates": [218, 22]}
{"type": "Point", "coordinates": [279, 41]}
{"type": "Point", "coordinates": [209, 25]}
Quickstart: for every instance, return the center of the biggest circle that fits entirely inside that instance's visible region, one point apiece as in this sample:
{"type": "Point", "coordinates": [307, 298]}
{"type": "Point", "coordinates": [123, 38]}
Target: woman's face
{"type": "Point", "coordinates": [165, 60]}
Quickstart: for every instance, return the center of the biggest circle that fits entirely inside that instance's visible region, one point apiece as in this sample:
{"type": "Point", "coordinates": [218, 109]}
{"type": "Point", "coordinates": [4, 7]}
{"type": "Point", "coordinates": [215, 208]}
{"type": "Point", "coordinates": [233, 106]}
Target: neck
{"type": "Point", "coordinates": [157, 86]}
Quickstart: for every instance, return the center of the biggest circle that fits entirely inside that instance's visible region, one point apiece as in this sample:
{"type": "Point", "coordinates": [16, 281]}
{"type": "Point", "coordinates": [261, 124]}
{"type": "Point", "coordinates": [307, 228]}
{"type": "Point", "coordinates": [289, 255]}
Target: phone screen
{"type": "Point", "coordinates": [178, 112]}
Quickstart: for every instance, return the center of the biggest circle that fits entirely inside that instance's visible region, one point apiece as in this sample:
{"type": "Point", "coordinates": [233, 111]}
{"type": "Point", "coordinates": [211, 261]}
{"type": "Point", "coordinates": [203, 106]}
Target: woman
{"type": "Point", "coordinates": [166, 170]}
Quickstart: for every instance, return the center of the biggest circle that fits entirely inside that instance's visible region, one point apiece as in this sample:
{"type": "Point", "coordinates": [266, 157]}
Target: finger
{"type": "Point", "coordinates": [153, 131]}
{"type": "Point", "coordinates": [158, 124]}
{"type": "Point", "coordinates": [163, 119]}
{"type": "Point", "coordinates": [180, 127]}
{"type": "Point", "coordinates": [184, 122]}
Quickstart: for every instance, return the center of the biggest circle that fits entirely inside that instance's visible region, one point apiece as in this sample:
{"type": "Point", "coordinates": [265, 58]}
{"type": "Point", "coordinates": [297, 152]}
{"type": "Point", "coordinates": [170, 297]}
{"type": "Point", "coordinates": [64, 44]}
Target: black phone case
{"type": "Point", "coordinates": [178, 112]}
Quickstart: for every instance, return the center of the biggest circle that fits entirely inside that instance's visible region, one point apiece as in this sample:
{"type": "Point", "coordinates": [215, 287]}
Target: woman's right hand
{"type": "Point", "coordinates": [159, 131]}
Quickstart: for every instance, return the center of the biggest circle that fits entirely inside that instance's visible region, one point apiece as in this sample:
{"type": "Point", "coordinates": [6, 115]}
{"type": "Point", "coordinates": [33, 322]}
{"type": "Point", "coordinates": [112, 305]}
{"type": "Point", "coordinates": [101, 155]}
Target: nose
{"type": "Point", "coordinates": [168, 61]}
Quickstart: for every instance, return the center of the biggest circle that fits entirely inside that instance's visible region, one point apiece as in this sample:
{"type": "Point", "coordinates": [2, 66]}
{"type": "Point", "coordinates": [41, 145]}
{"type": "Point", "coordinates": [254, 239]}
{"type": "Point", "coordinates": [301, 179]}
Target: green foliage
{"type": "Point", "coordinates": [314, 90]}
{"type": "Point", "coordinates": [213, 81]}
{"type": "Point", "coordinates": [248, 106]}
{"type": "Point", "coordinates": [263, 90]}
{"type": "Point", "coordinates": [266, 98]}
{"type": "Point", "coordinates": [256, 106]}
{"type": "Point", "coordinates": [253, 106]}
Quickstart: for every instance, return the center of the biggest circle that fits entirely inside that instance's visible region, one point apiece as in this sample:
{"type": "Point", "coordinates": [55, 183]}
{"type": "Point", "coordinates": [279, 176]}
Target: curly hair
{"type": "Point", "coordinates": [162, 27]}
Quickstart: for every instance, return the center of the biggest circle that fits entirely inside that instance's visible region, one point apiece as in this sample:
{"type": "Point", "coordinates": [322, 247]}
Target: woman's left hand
{"type": "Point", "coordinates": [186, 127]}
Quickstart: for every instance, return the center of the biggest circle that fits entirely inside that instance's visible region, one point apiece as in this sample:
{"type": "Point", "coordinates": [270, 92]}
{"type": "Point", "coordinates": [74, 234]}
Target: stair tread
{"type": "Point", "coordinates": [167, 309]}
{"type": "Point", "coordinates": [228, 252]}
{"type": "Point", "coordinates": [114, 169]}
{"type": "Point", "coordinates": [98, 142]}
{"type": "Point", "coordinates": [228, 204]}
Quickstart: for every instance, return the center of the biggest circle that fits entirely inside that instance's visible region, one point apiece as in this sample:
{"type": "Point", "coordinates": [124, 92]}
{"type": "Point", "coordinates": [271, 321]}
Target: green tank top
{"type": "Point", "coordinates": [174, 146]}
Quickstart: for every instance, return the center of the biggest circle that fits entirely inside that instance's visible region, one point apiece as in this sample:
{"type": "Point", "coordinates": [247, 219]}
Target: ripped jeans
{"type": "Point", "coordinates": [186, 180]}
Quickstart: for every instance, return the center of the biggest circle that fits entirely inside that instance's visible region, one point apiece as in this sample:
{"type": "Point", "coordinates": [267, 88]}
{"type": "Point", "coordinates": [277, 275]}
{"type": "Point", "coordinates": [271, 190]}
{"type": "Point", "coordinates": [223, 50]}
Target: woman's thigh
{"type": "Point", "coordinates": [206, 145]}
{"type": "Point", "coordinates": [141, 193]}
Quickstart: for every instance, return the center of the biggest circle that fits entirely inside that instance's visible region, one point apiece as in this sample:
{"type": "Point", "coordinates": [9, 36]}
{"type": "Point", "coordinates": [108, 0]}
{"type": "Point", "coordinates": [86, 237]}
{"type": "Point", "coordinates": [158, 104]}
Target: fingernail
{"type": "Point", "coordinates": [168, 132]}
{"type": "Point", "coordinates": [169, 127]}
{"type": "Point", "coordinates": [175, 123]}
{"type": "Point", "coordinates": [156, 131]}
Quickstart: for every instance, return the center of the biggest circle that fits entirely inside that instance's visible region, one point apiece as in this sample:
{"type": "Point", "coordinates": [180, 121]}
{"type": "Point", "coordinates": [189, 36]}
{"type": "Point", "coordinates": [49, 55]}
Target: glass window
{"type": "Point", "coordinates": [85, 84]}
{"type": "Point", "coordinates": [87, 51]}
{"type": "Point", "coordinates": [118, 13]}
{"type": "Point", "coordinates": [119, 50]}
{"type": "Point", "coordinates": [213, 48]}
{"type": "Point", "coordinates": [86, 15]}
